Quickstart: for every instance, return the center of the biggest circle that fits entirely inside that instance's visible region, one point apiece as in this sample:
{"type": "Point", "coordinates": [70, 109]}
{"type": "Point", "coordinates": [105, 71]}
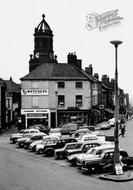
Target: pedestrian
{"type": "Point", "coordinates": [123, 130]}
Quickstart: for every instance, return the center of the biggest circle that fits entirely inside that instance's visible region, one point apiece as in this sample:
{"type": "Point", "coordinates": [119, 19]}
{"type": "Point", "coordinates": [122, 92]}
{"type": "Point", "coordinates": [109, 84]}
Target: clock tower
{"type": "Point", "coordinates": [43, 45]}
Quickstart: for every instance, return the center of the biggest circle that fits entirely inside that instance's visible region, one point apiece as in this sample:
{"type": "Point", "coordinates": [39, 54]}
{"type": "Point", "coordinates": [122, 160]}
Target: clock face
{"type": "Point", "coordinates": [37, 55]}
{"type": "Point", "coordinates": [51, 55]}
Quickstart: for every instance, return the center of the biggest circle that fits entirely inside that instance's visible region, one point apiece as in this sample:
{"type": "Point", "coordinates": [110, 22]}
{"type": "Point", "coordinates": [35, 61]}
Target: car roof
{"type": "Point", "coordinates": [89, 135]}
{"type": "Point", "coordinates": [82, 130]}
{"type": "Point", "coordinates": [38, 134]}
{"type": "Point", "coordinates": [32, 129]}
{"type": "Point", "coordinates": [63, 138]}
{"type": "Point", "coordinates": [104, 146]}
{"type": "Point", "coordinates": [74, 143]}
{"type": "Point", "coordinates": [112, 150]}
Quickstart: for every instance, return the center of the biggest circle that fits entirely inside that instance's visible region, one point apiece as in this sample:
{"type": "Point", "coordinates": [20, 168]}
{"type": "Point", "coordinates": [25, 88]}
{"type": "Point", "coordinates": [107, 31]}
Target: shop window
{"type": "Point", "coordinates": [61, 100]}
{"type": "Point", "coordinates": [34, 101]}
{"type": "Point", "coordinates": [78, 84]}
{"type": "Point", "coordinates": [78, 100]}
{"type": "Point", "coordinates": [61, 84]}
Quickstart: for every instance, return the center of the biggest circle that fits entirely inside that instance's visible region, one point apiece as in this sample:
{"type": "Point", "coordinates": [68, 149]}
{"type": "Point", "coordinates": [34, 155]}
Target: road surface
{"type": "Point", "coordinates": [23, 170]}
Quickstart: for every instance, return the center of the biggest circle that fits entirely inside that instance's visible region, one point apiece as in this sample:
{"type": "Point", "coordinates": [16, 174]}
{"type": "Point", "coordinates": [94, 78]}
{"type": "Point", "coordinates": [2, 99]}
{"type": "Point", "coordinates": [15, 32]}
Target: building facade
{"type": "Point", "coordinates": [53, 93]}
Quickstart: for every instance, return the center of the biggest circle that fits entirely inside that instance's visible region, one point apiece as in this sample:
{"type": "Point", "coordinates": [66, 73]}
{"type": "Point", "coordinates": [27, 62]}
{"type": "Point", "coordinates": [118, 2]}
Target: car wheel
{"type": "Point", "coordinates": [49, 153]}
{"type": "Point", "coordinates": [40, 151]}
{"type": "Point", "coordinates": [57, 157]}
{"type": "Point", "coordinates": [21, 145]}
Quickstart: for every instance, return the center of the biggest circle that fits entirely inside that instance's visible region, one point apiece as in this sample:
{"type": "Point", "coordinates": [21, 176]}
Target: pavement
{"type": "Point", "coordinates": [126, 176]}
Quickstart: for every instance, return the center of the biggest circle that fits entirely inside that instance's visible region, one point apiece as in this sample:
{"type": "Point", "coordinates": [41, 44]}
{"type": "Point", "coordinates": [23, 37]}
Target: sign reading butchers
{"type": "Point", "coordinates": [34, 92]}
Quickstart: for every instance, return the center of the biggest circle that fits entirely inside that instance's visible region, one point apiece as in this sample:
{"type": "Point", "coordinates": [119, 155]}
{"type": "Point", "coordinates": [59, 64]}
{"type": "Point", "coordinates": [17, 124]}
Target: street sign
{"type": "Point", "coordinates": [118, 169]}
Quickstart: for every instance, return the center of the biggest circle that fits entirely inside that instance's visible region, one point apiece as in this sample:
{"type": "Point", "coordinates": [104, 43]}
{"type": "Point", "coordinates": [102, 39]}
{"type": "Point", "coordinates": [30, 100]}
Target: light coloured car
{"type": "Point", "coordinates": [88, 137]}
{"type": "Point", "coordinates": [55, 132]}
{"type": "Point", "coordinates": [23, 133]}
{"type": "Point", "coordinates": [80, 132]}
{"type": "Point", "coordinates": [72, 154]}
{"type": "Point", "coordinates": [100, 135]}
{"type": "Point", "coordinates": [33, 138]}
{"type": "Point", "coordinates": [62, 152]}
{"type": "Point", "coordinates": [40, 146]}
{"type": "Point", "coordinates": [92, 153]}
{"type": "Point", "coordinates": [111, 122]}
{"type": "Point", "coordinates": [105, 125]}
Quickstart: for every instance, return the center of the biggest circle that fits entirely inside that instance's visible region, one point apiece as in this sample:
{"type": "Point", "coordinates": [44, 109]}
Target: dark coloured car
{"type": "Point", "coordinates": [69, 128]}
{"type": "Point", "coordinates": [33, 138]}
{"type": "Point", "coordinates": [52, 145]}
{"type": "Point", "coordinates": [104, 162]}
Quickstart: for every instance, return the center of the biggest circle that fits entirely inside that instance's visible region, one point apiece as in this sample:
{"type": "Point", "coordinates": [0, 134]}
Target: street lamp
{"type": "Point", "coordinates": [116, 131]}
{"type": "Point", "coordinates": [56, 96]}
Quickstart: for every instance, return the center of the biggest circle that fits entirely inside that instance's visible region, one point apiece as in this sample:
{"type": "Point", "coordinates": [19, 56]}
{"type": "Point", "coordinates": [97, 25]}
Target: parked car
{"type": "Point", "coordinates": [105, 125]}
{"type": "Point", "coordinates": [92, 153]}
{"type": "Point", "coordinates": [88, 137]}
{"type": "Point", "coordinates": [80, 132]}
{"type": "Point", "coordinates": [104, 161]}
{"type": "Point", "coordinates": [33, 145]}
{"type": "Point", "coordinates": [90, 127]}
{"type": "Point", "coordinates": [111, 122]}
{"type": "Point", "coordinates": [50, 146]}
{"type": "Point", "coordinates": [36, 137]}
{"type": "Point", "coordinates": [42, 128]}
{"type": "Point", "coordinates": [22, 133]}
{"type": "Point", "coordinates": [40, 146]}
{"type": "Point", "coordinates": [100, 135]}
{"type": "Point", "coordinates": [55, 132]}
{"type": "Point", "coordinates": [72, 154]}
{"type": "Point", "coordinates": [20, 142]}
{"type": "Point", "coordinates": [62, 152]}
{"type": "Point", "coordinates": [69, 128]}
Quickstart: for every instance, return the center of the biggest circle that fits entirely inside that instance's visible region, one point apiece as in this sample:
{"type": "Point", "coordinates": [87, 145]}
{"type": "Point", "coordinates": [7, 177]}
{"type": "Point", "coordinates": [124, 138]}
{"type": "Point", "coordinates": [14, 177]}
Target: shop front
{"type": "Point", "coordinates": [73, 115]}
{"type": "Point", "coordinates": [35, 117]}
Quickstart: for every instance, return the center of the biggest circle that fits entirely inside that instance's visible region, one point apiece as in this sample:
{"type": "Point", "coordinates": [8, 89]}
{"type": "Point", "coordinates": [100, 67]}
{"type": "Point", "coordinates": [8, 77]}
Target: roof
{"type": "Point", "coordinates": [43, 25]}
{"type": "Point", "coordinates": [12, 86]}
{"type": "Point", "coordinates": [54, 71]}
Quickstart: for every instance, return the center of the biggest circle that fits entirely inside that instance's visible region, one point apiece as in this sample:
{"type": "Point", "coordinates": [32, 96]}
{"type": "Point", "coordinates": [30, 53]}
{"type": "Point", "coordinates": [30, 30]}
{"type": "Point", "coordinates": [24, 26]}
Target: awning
{"type": "Point", "coordinates": [109, 111]}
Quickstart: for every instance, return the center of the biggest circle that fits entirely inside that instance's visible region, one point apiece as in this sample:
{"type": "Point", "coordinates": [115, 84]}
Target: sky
{"type": "Point", "coordinates": [67, 19]}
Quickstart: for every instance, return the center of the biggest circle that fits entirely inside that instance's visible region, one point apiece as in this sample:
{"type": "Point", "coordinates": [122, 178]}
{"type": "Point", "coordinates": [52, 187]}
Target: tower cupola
{"type": "Point", "coordinates": [43, 45]}
{"type": "Point", "coordinates": [43, 42]}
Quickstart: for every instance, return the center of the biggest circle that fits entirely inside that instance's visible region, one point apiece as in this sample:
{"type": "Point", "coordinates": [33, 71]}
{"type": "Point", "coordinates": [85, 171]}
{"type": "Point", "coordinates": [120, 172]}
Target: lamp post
{"type": "Point", "coordinates": [116, 131]}
{"type": "Point", "coordinates": [56, 96]}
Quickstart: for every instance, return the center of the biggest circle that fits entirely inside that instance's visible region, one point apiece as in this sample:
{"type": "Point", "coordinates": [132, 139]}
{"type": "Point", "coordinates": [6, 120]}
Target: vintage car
{"type": "Point", "coordinates": [33, 138]}
{"type": "Point", "coordinates": [62, 152]}
{"type": "Point", "coordinates": [105, 125]}
{"type": "Point", "coordinates": [73, 153]}
{"type": "Point", "coordinates": [80, 132]}
{"type": "Point", "coordinates": [55, 132]}
{"type": "Point", "coordinates": [92, 152]}
{"type": "Point", "coordinates": [39, 147]}
{"type": "Point", "coordinates": [22, 133]}
{"type": "Point", "coordinates": [51, 146]}
{"type": "Point", "coordinates": [88, 137]}
{"type": "Point", "coordinates": [69, 128]}
{"type": "Point", "coordinates": [104, 161]}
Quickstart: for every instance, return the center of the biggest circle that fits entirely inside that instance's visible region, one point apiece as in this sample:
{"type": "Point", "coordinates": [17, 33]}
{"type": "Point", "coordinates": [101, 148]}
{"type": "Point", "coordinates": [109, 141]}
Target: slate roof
{"type": "Point", "coordinates": [54, 71]}
{"type": "Point", "coordinates": [11, 86]}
